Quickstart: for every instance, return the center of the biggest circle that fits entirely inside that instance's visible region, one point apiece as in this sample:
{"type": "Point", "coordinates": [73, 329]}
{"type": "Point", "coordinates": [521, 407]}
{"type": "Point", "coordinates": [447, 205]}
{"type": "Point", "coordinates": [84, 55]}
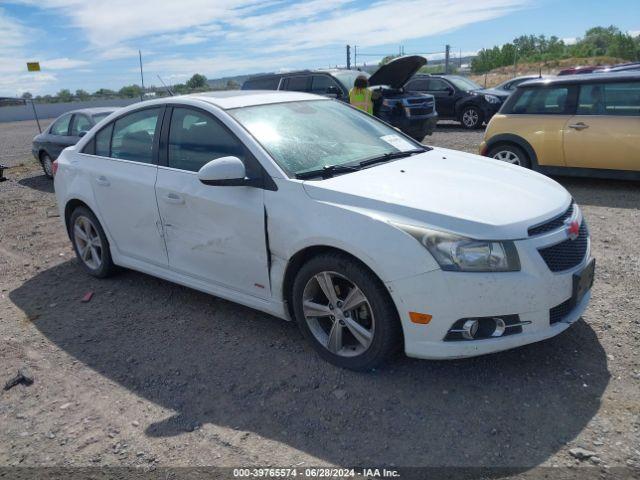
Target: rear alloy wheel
{"type": "Point", "coordinates": [510, 154]}
{"type": "Point", "coordinates": [345, 312]}
{"type": "Point", "coordinates": [90, 243]}
{"type": "Point", "coordinates": [47, 165]}
{"type": "Point", "coordinates": [471, 118]}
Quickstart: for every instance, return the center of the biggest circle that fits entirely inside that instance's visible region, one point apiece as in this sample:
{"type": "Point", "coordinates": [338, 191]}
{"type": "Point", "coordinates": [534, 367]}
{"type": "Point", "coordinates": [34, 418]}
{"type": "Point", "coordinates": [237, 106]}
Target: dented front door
{"type": "Point", "coordinates": [215, 234]}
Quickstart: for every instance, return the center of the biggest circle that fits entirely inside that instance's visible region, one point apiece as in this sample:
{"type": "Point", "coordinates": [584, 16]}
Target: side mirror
{"type": "Point", "coordinates": [82, 133]}
{"type": "Point", "coordinates": [450, 90]}
{"type": "Point", "coordinates": [224, 171]}
{"type": "Point", "coordinates": [333, 92]}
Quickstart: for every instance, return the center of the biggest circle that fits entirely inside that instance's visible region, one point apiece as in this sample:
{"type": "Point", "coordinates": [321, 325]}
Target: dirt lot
{"type": "Point", "coordinates": [152, 374]}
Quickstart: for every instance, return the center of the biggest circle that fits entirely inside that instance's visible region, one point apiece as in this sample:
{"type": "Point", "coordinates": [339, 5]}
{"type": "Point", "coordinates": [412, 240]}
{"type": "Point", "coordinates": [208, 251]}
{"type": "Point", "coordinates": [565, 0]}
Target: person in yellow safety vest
{"type": "Point", "coordinates": [360, 96]}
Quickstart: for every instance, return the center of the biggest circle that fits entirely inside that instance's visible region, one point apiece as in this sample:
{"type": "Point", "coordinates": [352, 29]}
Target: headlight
{"type": "Point", "coordinates": [460, 254]}
{"type": "Point", "coordinates": [492, 99]}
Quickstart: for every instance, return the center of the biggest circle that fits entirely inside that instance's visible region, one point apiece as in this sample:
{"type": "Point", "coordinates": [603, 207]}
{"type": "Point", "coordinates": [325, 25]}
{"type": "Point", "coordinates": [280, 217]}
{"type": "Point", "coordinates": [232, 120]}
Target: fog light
{"type": "Point", "coordinates": [499, 327]}
{"type": "Point", "coordinates": [469, 329]}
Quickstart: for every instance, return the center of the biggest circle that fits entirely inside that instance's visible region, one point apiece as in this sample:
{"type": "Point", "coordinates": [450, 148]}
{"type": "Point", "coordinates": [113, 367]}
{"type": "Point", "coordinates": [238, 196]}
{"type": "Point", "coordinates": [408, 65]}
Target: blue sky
{"type": "Point", "coordinates": [91, 44]}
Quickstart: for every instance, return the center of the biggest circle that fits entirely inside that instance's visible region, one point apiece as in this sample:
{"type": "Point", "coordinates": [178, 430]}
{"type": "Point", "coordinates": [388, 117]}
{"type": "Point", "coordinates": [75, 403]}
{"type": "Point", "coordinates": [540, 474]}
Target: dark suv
{"type": "Point", "coordinates": [460, 99]}
{"type": "Point", "coordinates": [412, 112]}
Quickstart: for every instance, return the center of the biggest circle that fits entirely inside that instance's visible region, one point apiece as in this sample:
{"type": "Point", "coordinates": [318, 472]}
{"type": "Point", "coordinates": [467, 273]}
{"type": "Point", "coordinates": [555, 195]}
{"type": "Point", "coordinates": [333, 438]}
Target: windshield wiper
{"type": "Point", "coordinates": [328, 171]}
{"type": "Point", "coordinates": [391, 156]}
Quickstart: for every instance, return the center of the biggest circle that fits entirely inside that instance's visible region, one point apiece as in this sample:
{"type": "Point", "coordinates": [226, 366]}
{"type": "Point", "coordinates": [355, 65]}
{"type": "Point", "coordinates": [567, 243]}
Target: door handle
{"type": "Point", "coordinates": [102, 180]}
{"type": "Point", "coordinates": [579, 126]}
{"type": "Point", "coordinates": [173, 198]}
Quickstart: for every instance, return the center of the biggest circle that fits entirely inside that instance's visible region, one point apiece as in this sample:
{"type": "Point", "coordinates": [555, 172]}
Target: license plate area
{"type": "Point", "coordinates": [582, 282]}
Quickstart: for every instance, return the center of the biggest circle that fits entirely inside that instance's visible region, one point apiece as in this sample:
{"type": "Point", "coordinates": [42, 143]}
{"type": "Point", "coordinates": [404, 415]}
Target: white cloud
{"type": "Point", "coordinates": [570, 40]}
{"type": "Point", "coordinates": [62, 63]}
{"type": "Point", "coordinates": [117, 52]}
{"type": "Point", "coordinates": [634, 33]}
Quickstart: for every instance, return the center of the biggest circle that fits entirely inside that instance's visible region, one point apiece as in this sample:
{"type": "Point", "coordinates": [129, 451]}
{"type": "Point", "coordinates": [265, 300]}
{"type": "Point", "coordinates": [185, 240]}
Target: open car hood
{"type": "Point", "coordinates": [398, 71]}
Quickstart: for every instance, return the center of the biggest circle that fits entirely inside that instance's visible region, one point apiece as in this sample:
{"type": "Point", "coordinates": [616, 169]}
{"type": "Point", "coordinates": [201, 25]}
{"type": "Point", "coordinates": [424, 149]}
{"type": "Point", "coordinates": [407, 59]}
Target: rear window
{"type": "Point", "coordinates": [619, 99]}
{"type": "Point", "coordinates": [539, 101]}
{"type": "Point", "coordinates": [296, 84]}
{"type": "Point", "coordinates": [262, 83]}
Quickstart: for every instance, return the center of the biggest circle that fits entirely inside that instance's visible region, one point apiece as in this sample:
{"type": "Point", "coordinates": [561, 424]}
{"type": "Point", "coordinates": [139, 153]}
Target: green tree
{"type": "Point", "coordinates": [82, 94]}
{"type": "Point", "coordinates": [64, 95]}
{"type": "Point", "coordinates": [104, 93]}
{"type": "Point", "coordinates": [27, 96]}
{"type": "Point", "coordinates": [623, 46]}
{"type": "Point", "coordinates": [196, 82]}
{"type": "Point", "coordinates": [232, 85]}
{"type": "Point", "coordinates": [387, 59]}
{"type": "Point", "coordinates": [130, 91]}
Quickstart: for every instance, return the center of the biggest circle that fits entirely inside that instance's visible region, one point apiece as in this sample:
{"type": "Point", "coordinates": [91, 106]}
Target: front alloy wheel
{"type": "Point", "coordinates": [346, 312]}
{"type": "Point", "coordinates": [471, 118]}
{"type": "Point", "coordinates": [338, 314]}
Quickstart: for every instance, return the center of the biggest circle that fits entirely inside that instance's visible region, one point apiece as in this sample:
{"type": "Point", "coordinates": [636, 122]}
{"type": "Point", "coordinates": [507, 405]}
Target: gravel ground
{"type": "Point", "coordinates": [152, 374]}
{"type": "Point", "coordinates": [15, 140]}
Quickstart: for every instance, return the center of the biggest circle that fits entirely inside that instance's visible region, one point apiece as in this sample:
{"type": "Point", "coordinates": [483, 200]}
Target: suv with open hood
{"type": "Point", "coordinates": [412, 112]}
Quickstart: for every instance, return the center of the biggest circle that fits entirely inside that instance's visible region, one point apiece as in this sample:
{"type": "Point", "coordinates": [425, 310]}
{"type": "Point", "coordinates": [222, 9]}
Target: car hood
{"type": "Point", "coordinates": [474, 196]}
{"type": "Point", "coordinates": [502, 94]}
{"type": "Point", "coordinates": [398, 71]}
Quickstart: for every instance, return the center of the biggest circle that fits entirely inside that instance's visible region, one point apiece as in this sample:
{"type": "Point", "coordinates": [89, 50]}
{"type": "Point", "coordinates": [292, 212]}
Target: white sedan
{"type": "Point", "coordinates": [308, 209]}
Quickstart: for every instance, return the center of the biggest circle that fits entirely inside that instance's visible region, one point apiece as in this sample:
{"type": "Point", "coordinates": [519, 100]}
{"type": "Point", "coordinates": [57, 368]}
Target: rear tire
{"type": "Point", "coordinates": [47, 164]}
{"type": "Point", "coordinates": [90, 243]}
{"type": "Point", "coordinates": [511, 154]}
{"type": "Point", "coordinates": [471, 117]}
{"type": "Point", "coordinates": [358, 328]}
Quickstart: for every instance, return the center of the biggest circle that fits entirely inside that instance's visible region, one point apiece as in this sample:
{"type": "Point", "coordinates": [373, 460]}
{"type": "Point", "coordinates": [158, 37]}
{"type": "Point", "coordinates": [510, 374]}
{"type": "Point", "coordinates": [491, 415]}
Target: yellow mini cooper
{"type": "Point", "coordinates": [584, 125]}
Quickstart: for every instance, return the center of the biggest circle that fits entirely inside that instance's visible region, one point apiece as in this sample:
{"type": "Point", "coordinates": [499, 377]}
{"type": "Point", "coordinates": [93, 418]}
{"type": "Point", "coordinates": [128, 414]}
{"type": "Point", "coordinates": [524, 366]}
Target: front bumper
{"type": "Point", "coordinates": [451, 296]}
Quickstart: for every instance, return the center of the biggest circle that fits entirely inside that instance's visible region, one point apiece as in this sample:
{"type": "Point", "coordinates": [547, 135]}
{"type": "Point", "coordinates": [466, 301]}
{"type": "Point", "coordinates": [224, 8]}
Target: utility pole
{"type": "Point", "coordinates": [141, 76]}
{"type": "Point", "coordinates": [446, 58]}
{"type": "Point", "coordinates": [348, 57]}
{"type": "Point", "coordinates": [355, 57]}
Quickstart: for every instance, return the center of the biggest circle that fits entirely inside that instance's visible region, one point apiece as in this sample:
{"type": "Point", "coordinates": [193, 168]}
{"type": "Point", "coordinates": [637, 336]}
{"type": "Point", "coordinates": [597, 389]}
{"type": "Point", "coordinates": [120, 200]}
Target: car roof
{"type": "Point", "coordinates": [582, 78]}
{"type": "Point", "coordinates": [94, 110]}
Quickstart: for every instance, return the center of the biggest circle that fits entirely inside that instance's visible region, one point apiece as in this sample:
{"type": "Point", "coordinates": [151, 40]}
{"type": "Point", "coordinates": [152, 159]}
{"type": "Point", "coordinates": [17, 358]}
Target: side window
{"type": "Point", "coordinates": [133, 136]}
{"type": "Point", "coordinates": [61, 127]}
{"type": "Point", "coordinates": [620, 99]}
{"type": "Point", "coordinates": [542, 101]}
{"type": "Point", "coordinates": [103, 141]}
{"type": "Point", "coordinates": [438, 85]}
{"type": "Point", "coordinates": [418, 85]}
{"type": "Point", "coordinates": [196, 138]}
{"type": "Point", "coordinates": [320, 84]}
{"type": "Point", "coordinates": [297, 84]}
{"type": "Point", "coordinates": [264, 83]}
{"type": "Point", "coordinates": [81, 123]}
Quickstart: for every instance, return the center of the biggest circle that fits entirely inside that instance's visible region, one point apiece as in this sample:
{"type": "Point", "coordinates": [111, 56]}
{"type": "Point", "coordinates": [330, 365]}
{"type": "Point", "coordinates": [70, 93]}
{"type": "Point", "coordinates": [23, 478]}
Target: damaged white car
{"type": "Point", "coordinates": [308, 209]}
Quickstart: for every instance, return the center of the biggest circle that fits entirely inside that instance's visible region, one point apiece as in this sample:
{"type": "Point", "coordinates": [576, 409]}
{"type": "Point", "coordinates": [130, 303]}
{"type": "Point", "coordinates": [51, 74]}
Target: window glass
{"type": "Point", "coordinates": [296, 84]}
{"type": "Point", "coordinates": [418, 85]}
{"type": "Point", "coordinates": [196, 138]}
{"type": "Point", "coordinates": [264, 83]}
{"type": "Point", "coordinates": [61, 127]}
{"type": "Point", "coordinates": [103, 141]}
{"type": "Point", "coordinates": [610, 99]}
{"type": "Point", "coordinates": [542, 101]}
{"type": "Point", "coordinates": [463, 83]}
{"type": "Point", "coordinates": [133, 136]}
{"type": "Point", "coordinates": [320, 84]}
{"type": "Point", "coordinates": [98, 117]}
{"type": "Point", "coordinates": [309, 135]}
{"type": "Point", "coordinates": [437, 85]}
{"type": "Point", "coordinates": [81, 123]}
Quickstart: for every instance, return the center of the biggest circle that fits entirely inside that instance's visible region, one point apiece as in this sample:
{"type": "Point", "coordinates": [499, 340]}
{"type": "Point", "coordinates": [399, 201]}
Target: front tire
{"type": "Point", "coordinates": [471, 117]}
{"type": "Point", "coordinates": [47, 164]}
{"type": "Point", "coordinates": [345, 312]}
{"type": "Point", "coordinates": [511, 154]}
{"type": "Point", "coordinates": [90, 243]}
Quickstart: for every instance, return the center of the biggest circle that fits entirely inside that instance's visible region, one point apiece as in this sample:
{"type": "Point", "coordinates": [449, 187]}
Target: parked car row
{"type": "Point", "coordinates": [63, 132]}
{"type": "Point", "coordinates": [585, 125]}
